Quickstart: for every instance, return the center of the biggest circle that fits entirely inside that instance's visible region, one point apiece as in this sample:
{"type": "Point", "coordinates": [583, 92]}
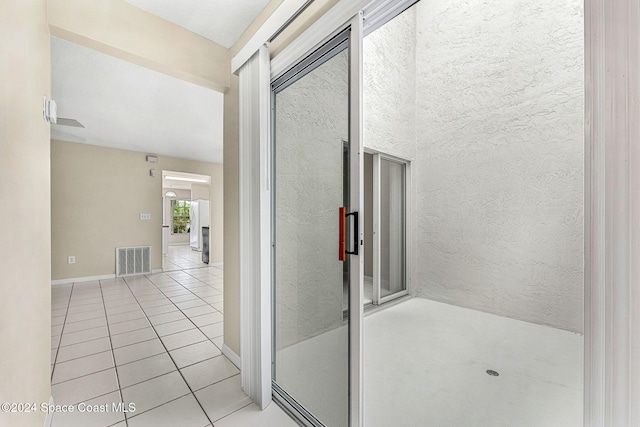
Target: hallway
{"type": "Point", "coordinates": [154, 341]}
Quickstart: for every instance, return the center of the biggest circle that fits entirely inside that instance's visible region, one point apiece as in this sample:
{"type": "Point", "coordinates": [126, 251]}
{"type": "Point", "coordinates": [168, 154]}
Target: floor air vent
{"type": "Point", "coordinates": [133, 260]}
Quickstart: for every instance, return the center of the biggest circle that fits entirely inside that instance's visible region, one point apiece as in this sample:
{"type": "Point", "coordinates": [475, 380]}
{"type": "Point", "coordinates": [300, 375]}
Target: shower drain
{"type": "Point", "coordinates": [492, 373]}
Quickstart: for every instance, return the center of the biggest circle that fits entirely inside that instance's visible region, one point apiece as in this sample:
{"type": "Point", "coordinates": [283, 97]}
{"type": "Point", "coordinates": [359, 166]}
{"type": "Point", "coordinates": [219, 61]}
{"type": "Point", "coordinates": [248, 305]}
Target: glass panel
{"type": "Point", "coordinates": [311, 337]}
{"type": "Point", "coordinates": [392, 227]}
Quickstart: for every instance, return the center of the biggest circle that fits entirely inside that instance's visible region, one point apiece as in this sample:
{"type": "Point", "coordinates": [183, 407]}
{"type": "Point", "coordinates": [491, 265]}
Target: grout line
{"type": "Point", "coordinates": [84, 329]}
{"type": "Point", "coordinates": [239, 409]}
{"type": "Point", "coordinates": [86, 375]}
{"type": "Point", "coordinates": [193, 343]}
{"type": "Point", "coordinates": [133, 330]}
{"type": "Point", "coordinates": [80, 342]}
{"type": "Point", "coordinates": [134, 343]}
{"type": "Point", "coordinates": [55, 359]}
{"type": "Point", "coordinates": [219, 381]}
{"type": "Point", "coordinates": [152, 378]}
{"type": "Point", "coordinates": [162, 404]}
{"type": "Point", "coordinates": [96, 397]}
{"type": "Point", "coordinates": [84, 320]}
{"type": "Point", "coordinates": [86, 355]}
{"type": "Point", "coordinates": [142, 358]}
{"type": "Point", "coordinates": [123, 321]}
{"type": "Point", "coordinates": [113, 356]}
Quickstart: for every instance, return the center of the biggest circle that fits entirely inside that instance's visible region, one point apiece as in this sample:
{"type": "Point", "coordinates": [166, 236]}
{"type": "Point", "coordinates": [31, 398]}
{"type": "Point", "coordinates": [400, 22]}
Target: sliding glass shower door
{"type": "Point", "coordinates": [313, 234]}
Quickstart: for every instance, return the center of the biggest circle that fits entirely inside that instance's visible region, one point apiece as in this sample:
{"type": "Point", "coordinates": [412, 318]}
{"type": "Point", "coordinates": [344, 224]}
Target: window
{"type": "Point", "coordinates": [180, 218]}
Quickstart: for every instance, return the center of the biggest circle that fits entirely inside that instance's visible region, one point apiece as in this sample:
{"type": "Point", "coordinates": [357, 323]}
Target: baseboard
{"type": "Point", "coordinates": [216, 264]}
{"type": "Point", "coordinates": [49, 418]}
{"type": "Point", "coordinates": [82, 279]}
{"type": "Point", "coordinates": [231, 355]}
{"type": "Point", "coordinates": [92, 278]}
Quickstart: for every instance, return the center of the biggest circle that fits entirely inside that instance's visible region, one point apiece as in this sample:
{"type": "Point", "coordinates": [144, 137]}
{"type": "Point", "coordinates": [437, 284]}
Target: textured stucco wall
{"type": "Point", "coordinates": [389, 91]}
{"type": "Point", "coordinates": [311, 122]}
{"type": "Point", "coordinates": [499, 159]}
{"type": "Point", "coordinates": [389, 87]}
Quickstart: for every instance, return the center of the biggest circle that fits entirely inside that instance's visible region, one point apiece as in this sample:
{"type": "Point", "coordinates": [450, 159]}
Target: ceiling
{"type": "Point", "coordinates": [123, 105]}
{"type": "Point", "coordinates": [221, 21]}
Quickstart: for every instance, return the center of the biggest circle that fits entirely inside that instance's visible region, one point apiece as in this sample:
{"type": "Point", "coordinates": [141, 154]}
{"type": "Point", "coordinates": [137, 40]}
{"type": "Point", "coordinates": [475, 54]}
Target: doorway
{"type": "Point", "coordinates": [186, 213]}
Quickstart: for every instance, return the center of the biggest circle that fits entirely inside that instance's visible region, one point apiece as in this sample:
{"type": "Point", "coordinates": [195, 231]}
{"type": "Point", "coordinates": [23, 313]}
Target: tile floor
{"type": "Point", "coordinates": [181, 257]}
{"type": "Point", "coordinates": [154, 341]}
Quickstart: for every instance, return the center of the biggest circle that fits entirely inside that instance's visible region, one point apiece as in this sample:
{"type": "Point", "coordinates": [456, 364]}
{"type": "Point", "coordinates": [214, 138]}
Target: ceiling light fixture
{"type": "Point", "coordinates": [170, 194]}
{"type": "Point", "coordinates": [182, 178]}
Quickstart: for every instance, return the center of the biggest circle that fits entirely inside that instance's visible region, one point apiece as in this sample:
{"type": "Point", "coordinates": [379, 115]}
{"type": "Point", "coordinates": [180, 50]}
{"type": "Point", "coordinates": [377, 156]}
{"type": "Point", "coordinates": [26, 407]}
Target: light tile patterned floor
{"type": "Point", "coordinates": [154, 341]}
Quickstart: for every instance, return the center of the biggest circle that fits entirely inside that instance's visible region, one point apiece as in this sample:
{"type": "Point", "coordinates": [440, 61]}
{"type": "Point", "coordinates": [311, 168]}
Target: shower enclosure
{"type": "Point", "coordinates": [412, 158]}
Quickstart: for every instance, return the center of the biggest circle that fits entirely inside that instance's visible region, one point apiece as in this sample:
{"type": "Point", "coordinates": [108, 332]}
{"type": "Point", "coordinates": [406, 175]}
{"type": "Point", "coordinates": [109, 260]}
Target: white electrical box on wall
{"type": "Point", "coordinates": [50, 111]}
{"type": "Point", "coordinates": [145, 216]}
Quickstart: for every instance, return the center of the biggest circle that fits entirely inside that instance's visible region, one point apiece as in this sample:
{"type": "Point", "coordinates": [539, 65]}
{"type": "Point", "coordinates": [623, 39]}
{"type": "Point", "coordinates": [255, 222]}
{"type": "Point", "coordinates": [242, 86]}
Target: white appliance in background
{"type": "Point", "coordinates": [199, 217]}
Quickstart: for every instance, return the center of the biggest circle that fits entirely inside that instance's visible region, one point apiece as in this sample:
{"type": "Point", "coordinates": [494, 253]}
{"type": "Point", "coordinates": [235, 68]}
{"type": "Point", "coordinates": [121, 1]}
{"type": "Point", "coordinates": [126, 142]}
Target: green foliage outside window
{"type": "Point", "coordinates": [180, 214]}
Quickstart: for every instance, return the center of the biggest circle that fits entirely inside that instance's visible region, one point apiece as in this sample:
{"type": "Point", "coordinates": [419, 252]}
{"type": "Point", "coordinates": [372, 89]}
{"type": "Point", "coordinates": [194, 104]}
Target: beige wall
{"type": "Point", "coordinates": [97, 196]}
{"type": "Point", "coordinates": [25, 296]}
{"type": "Point", "coordinates": [199, 191]}
{"type": "Point", "coordinates": [231, 219]}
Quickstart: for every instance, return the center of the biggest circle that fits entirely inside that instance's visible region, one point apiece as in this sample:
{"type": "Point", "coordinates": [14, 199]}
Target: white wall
{"type": "Point", "coordinates": [389, 81]}
{"type": "Point", "coordinates": [499, 164]}
{"type": "Point", "coordinates": [487, 102]}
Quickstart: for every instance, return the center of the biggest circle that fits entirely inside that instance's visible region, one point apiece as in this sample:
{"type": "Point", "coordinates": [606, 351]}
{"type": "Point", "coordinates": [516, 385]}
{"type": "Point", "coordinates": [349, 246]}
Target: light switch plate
{"type": "Point", "coordinates": [145, 216]}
